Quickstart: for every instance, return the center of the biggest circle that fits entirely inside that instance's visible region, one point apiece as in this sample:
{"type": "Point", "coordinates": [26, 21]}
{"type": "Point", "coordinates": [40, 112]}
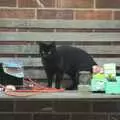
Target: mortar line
{"type": "Point", "coordinates": [49, 8]}
{"type": "Point", "coordinates": [94, 4]}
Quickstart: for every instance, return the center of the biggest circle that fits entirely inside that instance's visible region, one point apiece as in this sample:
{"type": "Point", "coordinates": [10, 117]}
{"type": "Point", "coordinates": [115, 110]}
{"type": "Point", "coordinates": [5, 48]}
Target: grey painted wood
{"type": "Point", "coordinates": [35, 62]}
{"type": "Point", "coordinates": [58, 36]}
{"type": "Point", "coordinates": [28, 23]}
{"type": "Point", "coordinates": [30, 61]}
{"type": "Point", "coordinates": [39, 74]}
{"type": "Point", "coordinates": [25, 49]}
{"type": "Point", "coordinates": [34, 49]}
{"type": "Point", "coordinates": [100, 49]}
{"type": "Point", "coordinates": [102, 61]}
{"type": "Point", "coordinates": [36, 74]}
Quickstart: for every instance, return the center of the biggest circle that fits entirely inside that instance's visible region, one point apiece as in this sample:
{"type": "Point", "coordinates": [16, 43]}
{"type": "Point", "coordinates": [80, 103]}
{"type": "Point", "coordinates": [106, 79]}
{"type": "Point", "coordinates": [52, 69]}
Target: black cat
{"type": "Point", "coordinates": [64, 59]}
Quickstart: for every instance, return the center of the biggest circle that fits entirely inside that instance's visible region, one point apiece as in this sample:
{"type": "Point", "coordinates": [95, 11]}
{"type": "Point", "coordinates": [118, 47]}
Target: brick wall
{"type": "Point", "coordinates": [60, 9]}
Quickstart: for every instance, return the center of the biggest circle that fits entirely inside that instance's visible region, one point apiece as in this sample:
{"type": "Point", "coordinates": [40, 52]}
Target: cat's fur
{"type": "Point", "coordinates": [64, 59]}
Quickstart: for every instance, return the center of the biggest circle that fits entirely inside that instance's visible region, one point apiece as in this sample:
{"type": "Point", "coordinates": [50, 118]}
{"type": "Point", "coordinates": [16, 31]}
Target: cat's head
{"type": "Point", "coordinates": [47, 49]}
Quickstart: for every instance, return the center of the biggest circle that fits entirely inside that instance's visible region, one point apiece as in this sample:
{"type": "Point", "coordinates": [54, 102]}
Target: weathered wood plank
{"type": "Point", "coordinates": [39, 74]}
{"type": "Point", "coordinates": [34, 49]}
{"type": "Point", "coordinates": [100, 49]}
{"type": "Point", "coordinates": [58, 36]}
{"type": "Point", "coordinates": [89, 24]}
{"type": "Point", "coordinates": [101, 61]}
{"type": "Point", "coordinates": [26, 49]}
{"type": "Point", "coordinates": [36, 62]}
{"type": "Point", "coordinates": [36, 74]}
{"type": "Point", "coordinates": [32, 62]}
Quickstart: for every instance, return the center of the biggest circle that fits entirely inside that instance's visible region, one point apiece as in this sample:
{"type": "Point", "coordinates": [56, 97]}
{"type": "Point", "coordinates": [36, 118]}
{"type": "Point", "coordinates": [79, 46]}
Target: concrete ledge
{"type": "Point", "coordinates": [71, 95]}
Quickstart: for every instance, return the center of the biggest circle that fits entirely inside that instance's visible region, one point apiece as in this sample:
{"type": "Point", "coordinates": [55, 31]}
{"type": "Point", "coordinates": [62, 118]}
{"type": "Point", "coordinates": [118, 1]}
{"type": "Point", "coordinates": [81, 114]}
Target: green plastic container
{"type": "Point", "coordinates": [113, 87]}
{"type": "Point", "coordinates": [98, 83]}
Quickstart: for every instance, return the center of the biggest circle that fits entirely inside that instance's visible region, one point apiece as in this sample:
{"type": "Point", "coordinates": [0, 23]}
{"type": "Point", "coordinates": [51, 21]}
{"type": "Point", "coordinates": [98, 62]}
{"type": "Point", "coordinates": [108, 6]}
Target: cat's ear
{"type": "Point", "coordinates": [42, 44]}
{"type": "Point", "coordinates": [53, 44]}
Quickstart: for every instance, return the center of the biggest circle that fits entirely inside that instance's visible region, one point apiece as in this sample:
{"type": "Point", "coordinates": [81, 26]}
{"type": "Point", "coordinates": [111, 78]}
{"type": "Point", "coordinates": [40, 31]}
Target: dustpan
{"type": "Point", "coordinates": [11, 72]}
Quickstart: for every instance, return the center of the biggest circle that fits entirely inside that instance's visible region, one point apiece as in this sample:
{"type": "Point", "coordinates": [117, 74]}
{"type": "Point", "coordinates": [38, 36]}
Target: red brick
{"type": "Point", "coordinates": [117, 15]}
{"type": "Point", "coordinates": [55, 14]}
{"type": "Point", "coordinates": [94, 15]}
{"type": "Point", "coordinates": [17, 13]}
{"type": "Point", "coordinates": [58, 3]}
{"type": "Point", "coordinates": [108, 3]}
{"type": "Point", "coordinates": [33, 3]}
{"type": "Point", "coordinates": [77, 3]}
{"type": "Point", "coordinates": [27, 3]}
{"type": "Point", "coordinates": [8, 3]}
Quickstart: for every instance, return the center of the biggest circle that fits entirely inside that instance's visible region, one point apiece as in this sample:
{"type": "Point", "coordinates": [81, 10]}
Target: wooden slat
{"type": "Point", "coordinates": [39, 74]}
{"type": "Point", "coordinates": [27, 23]}
{"type": "Point", "coordinates": [33, 66]}
{"type": "Point", "coordinates": [58, 36]}
{"type": "Point", "coordinates": [32, 62]}
{"type": "Point", "coordinates": [26, 49]}
{"type": "Point", "coordinates": [101, 61]}
{"type": "Point", "coordinates": [100, 49]}
{"type": "Point", "coordinates": [35, 62]}
{"type": "Point", "coordinates": [34, 49]}
{"type": "Point", "coordinates": [36, 74]}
